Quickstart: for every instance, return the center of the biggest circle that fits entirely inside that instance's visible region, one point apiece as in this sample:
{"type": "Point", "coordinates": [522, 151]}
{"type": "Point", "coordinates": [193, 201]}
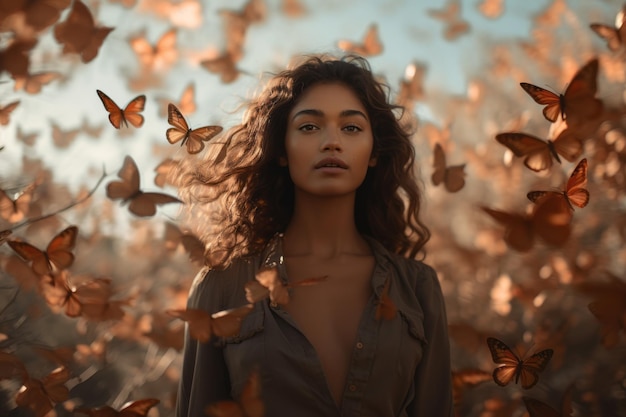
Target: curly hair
{"type": "Point", "coordinates": [255, 195]}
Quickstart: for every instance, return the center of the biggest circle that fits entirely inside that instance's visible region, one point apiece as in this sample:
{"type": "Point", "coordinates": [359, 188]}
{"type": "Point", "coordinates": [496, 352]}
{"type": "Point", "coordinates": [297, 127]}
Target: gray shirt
{"type": "Point", "coordinates": [399, 367]}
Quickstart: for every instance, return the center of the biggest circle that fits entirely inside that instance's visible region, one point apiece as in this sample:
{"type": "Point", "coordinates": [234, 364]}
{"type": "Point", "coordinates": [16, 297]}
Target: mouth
{"type": "Point", "coordinates": [331, 163]}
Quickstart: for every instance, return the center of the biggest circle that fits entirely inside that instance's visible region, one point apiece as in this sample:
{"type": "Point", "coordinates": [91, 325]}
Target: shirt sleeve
{"type": "Point", "coordinates": [204, 376]}
{"type": "Point", "coordinates": [433, 377]}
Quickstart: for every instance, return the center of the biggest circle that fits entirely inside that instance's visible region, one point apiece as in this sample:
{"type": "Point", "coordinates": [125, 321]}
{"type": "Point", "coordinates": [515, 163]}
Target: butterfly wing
{"type": "Point", "coordinates": [579, 98]}
{"type": "Point", "coordinates": [455, 178]}
{"type": "Point", "coordinates": [227, 323]}
{"type": "Point", "coordinates": [551, 219]}
{"type": "Point", "coordinates": [503, 355]}
{"type": "Point", "coordinates": [538, 408]}
{"type": "Point", "coordinates": [532, 366]}
{"type": "Point", "coordinates": [198, 321]}
{"type": "Point", "coordinates": [116, 116]}
{"type": "Point", "coordinates": [6, 111]}
{"type": "Point", "coordinates": [145, 204]}
{"type": "Point", "coordinates": [197, 137]}
{"type": "Point", "coordinates": [129, 186]}
{"type": "Point", "coordinates": [138, 408]}
{"type": "Point", "coordinates": [536, 152]}
{"type": "Point", "coordinates": [609, 34]}
{"type": "Point", "coordinates": [551, 100]}
{"type": "Point", "coordinates": [439, 165]}
{"type": "Point", "coordinates": [180, 130]}
{"type": "Point", "coordinates": [59, 248]}
{"type": "Point", "coordinates": [91, 49]}
{"type": "Point", "coordinates": [40, 265]}
{"type": "Point", "coordinates": [567, 144]}
{"type": "Point", "coordinates": [518, 232]}
{"type": "Point", "coordinates": [576, 191]}
{"type": "Point", "coordinates": [132, 111]}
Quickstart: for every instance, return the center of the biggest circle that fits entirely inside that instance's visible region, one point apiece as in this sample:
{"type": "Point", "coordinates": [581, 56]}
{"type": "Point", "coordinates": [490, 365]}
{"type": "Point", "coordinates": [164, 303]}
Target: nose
{"type": "Point", "coordinates": [331, 141]}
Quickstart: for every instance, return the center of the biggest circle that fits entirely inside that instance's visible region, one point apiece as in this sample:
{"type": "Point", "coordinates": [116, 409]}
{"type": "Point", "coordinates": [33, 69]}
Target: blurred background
{"type": "Point", "coordinates": [455, 66]}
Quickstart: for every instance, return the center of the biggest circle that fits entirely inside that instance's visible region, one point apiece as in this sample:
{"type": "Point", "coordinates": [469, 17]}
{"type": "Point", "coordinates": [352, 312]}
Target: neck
{"type": "Point", "coordinates": [323, 227]}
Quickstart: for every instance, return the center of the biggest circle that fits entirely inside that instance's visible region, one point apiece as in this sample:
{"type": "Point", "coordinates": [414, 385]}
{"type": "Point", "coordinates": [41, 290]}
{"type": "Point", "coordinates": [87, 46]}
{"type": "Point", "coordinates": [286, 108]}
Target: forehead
{"type": "Point", "coordinates": [330, 98]}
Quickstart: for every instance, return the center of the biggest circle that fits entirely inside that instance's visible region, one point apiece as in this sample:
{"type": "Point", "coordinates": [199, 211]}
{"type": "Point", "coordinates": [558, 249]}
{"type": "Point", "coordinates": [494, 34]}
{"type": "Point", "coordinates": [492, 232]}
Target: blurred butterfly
{"type": "Point", "coordinates": [575, 192]}
{"type": "Point", "coordinates": [202, 325]}
{"type": "Point", "coordinates": [62, 356]}
{"type": "Point", "coordinates": [250, 403]}
{"type": "Point", "coordinates": [467, 378]}
{"type": "Point", "coordinates": [61, 292]}
{"type": "Point", "coordinates": [236, 23]}
{"type": "Point", "coordinates": [57, 256]}
{"type": "Point", "coordinates": [525, 371]}
{"type": "Point", "coordinates": [164, 334]}
{"type": "Point", "coordinates": [38, 14]}
{"type": "Point", "coordinates": [613, 35]}
{"type": "Point", "coordinates": [186, 104]}
{"type": "Point", "coordinates": [33, 83]}
{"type": "Point", "coordinates": [223, 65]}
{"type": "Point", "coordinates": [451, 16]}
{"type": "Point", "coordinates": [292, 8]}
{"type": "Point", "coordinates": [538, 408]}
{"type": "Point", "coordinates": [63, 138]}
{"type": "Point", "coordinates": [137, 408]}
{"type": "Point", "coordinates": [40, 396]}
{"type": "Point", "coordinates": [386, 308]}
{"type": "Point", "coordinates": [412, 86]}
{"type": "Point", "coordinates": [538, 153]}
{"type": "Point", "coordinates": [452, 177]}
{"type": "Point", "coordinates": [267, 283]}
{"type": "Point", "coordinates": [11, 366]}
{"type": "Point", "coordinates": [370, 46]}
{"type": "Point", "coordinates": [577, 103]}
{"type": "Point", "coordinates": [165, 171]}
{"type": "Point", "coordinates": [194, 247]}
{"type": "Point", "coordinates": [181, 132]}
{"type": "Point", "coordinates": [5, 112]}
{"type": "Point", "coordinates": [491, 9]}
{"type": "Point", "coordinates": [14, 211]}
{"type": "Point", "coordinates": [15, 58]}
{"type": "Point", "coordinates": [550, 220]}
{"type": "Point", "coordinates": [92, 131]}
{"type": "Point", "coordinates": [4, 235]}
{"type": "Point", "coordinates": [159, 56]}
{"type": "Point", "coordinates": [26, 138]}
{"type": "Point", "coordinates": [130, 114]}
{"type": "Point", "coordinates": [78, 33]}
{"type": "Point", "coordinates": [140, 203]}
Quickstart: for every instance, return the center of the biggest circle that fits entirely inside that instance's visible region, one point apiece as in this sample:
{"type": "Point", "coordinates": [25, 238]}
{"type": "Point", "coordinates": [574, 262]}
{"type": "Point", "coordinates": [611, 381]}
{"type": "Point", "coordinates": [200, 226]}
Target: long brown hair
{"type": "Point", "coordinates": [255, 195]}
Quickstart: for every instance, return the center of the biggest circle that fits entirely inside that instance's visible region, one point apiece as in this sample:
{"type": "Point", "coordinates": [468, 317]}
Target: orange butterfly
{"type": "Point", "coordinates": [140, 203]}
{"type": "Point", "coordinates": [186, 104]}
{"type": "Point", "coordinates": [194, 138]}
{"type": "Point", "coordinates": [451, 15]}
{"type": "Point", "coordinates": [386, 307]}
{"type": "Point", "coordinates": [40, 14]}
{"type": "Point", "coordinates": [452, 177]}
{"type": "Point", "coordinates": [40, 396]}
{"type": "Point", "coordinates": [137, 408]}
{"type": "Point", "coordinates": [33, 83]}
{"type": "Point", "coordinates": [292, 8]}
{"type": "Point", "coordinates": [267, 283]}
{"type": "Point", "coordinates": [159, 56]}
{"type": "Point", "coordinates": [578, 102]}
{"type": "Point", "coordinates": [525, 371]}
{"type": "Point", "coordinates": [14, 211]}
{"type": "Point", "coordinates": [130, 114]}
{"type": "Point", "coordinates": [250, 403]}
{"type": "Point", "coordinates": [538, 153]}
{"type": "Point", "coordinates": [57, 256]}
{"type": "Point", "coordinates": [550, 220]}
{"type": "Point", "coordinates": [575, 192]}
{"type": "Point", "coordinates": [202, 325]}
{"type": "Point", "coordinates": [613, 35]}
{"type": "Point", "coordinates": [164, 172]}
{"type": "Point", "coordinates": [371, 43]}
{"type": "Point", "coordinates": [78, 33]}
{"type": "Point", "coordinates": [224, 65]}
{"type": "Point", "coordinates": [5, 112]}
{"type": "Point", "coordinates": [63, 138]}
{"type": "Point", "coordinates": [412, 86]}
{"type": "Point", "coordinates": [491, 9]}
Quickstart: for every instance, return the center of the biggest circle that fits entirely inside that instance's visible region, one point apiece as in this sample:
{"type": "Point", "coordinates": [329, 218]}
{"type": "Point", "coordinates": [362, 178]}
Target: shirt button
{"type": "Point", "coordinates": [352, 387]}
{"type": "Point", "coordinates": [359, 345]}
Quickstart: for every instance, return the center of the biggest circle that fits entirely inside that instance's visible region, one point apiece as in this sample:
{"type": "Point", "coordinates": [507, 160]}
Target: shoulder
{"type": "Point", "coordinates": [218, 289]}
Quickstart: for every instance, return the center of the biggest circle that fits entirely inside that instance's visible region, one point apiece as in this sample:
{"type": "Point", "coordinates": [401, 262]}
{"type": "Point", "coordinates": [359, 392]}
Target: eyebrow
{"type": "Point", "coordinates": [319, 113]}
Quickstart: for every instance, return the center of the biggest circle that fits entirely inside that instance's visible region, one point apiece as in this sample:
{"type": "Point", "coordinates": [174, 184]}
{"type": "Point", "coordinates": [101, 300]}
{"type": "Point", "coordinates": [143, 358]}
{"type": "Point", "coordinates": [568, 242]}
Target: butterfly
{"type": "Point", "coordinates": [452, 177]}
{"type": "Point", "coordinates": [58, 254]}
{"type": "Point", "coordinates": [451, 15]}
{"type": "Point", "coordinates": [250, 403]}
{"type": "Point", "coordinates": [186, 104]}
{"type": "Point", "coordinates": [11, 366]}
{"type": "Point", "coordinates": [267, 283]}
{"type": "Point", "coordinates": [202, 325]}
{"type": "Point", "coordinates": [181, 132]}
{"type": "Point", "coordinates": [40, 14]}
{"type": "Point", "coordinates": [130, 114]}
{"type": "Point", "coordinates": [578, 102]}
{"type": "Point", "coordinates": [549, 220]}
{"type": "Point", "coordinates": [613, 35]}
{"type": "Point", "coordinates": [26, 138]}
{"type": "Point", "coordinates": [137, 408]}
{"type": "Point", "coordinates": [412, 86]}
{"type": "Point", "coordinates": [224, 65]}
{"type": "Point", "coordinates": [538, 153]}
{"type": "Point", "coordinates": [525, 371]}
{"type": "Point", "coordinates": [370, 46]}
{"type": "Point", "coordinates": [292, 8]}
{"type": "Point", "coordinates": [491, 9]}
{"type": "Point", "coordinates": [538, 408]}
{"type": "Point", "coordinates": [78, 33]}
{"type": "Point", "coordinates": [14, 211]}
{"type": "Point", "coordinates": [386, 308]}
{"type": "Point", "coordinates": [33, 83]}
{"type": "Point", "coordinates": [159, 56]}
{"type": "Point", "coordinates": [140, 203]}
{"type": "Point", "coordinates": [194, 247]}
{"type": "Point", "coordinates": [575, 192]}
{"type": "Point", "coordinates": [63, 138]}
{"type": "Point", "coordinates": [5, 112]}
{"type": "Point", "coordinates": [40, 396]}
{"type": "Point", "coordinates": [467, 378]}
{"type": "Point", "coordinates": [15, 58]}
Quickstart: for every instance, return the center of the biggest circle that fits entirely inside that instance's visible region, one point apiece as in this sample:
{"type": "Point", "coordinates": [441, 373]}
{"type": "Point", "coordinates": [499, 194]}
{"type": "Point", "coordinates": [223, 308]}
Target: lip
{"type": "Point", "coordinates": [333, 161]}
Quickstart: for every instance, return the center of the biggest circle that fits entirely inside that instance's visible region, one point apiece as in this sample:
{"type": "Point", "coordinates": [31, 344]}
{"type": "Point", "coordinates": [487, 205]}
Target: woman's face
{"type": "Point", "coordinates": [329, 141]}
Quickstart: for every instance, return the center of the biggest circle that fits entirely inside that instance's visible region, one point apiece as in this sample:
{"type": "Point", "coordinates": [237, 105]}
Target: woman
{"type": "Point", "coordinates": [318, 181]}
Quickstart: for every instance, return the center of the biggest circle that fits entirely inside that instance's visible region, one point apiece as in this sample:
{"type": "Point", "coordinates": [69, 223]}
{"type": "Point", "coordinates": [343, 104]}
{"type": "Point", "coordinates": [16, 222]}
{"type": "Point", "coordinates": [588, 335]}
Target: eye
{"type": "Point", "coordinates": [353, 128]}
{"type": "Point", "coordinates": [307, 127]}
